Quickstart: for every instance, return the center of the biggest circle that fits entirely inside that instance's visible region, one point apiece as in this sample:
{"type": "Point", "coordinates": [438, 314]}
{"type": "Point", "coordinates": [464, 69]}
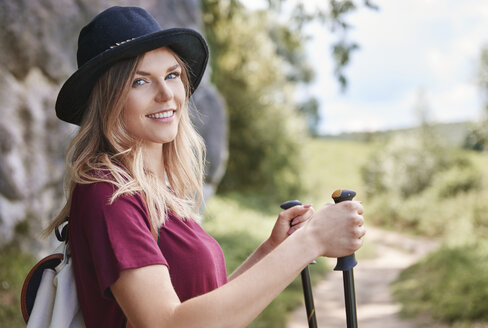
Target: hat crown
{"type": "Point", "coordinates": [112, 27]}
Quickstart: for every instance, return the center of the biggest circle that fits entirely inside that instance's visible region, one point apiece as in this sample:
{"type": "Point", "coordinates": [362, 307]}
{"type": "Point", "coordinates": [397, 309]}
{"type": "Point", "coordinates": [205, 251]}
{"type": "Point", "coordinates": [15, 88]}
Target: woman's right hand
{"type": "Point", "coordinates": [337, 229]}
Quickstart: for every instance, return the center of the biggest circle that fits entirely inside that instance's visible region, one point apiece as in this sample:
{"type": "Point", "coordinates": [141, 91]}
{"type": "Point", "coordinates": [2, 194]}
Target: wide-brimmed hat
{"type": "Point", "coordinates": [120, 33]}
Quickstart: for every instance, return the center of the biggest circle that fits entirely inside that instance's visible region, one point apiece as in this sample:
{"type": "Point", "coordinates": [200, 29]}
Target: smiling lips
{"type": "Point", "coordinates": [162, 115]}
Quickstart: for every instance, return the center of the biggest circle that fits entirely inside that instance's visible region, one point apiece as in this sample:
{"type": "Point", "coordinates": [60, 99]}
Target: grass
{"type": "Point", "coordinates": [333, 164]}
{"type": "Point", "coordinates": [14, 266]}
{"type": "Point", "coordinates": [449, 285]}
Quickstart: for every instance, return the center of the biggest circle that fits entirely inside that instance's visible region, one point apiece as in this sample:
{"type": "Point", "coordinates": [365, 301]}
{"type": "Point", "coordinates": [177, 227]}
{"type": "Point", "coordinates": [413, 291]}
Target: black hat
{"type": "Point", "coordinates": [119, 33]}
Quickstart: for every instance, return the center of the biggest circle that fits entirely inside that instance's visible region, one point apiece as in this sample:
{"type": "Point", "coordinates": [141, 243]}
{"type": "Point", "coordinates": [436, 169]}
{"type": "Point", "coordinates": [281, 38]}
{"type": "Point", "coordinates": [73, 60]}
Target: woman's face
{"type": "Point", "coordinates": [156, 98]}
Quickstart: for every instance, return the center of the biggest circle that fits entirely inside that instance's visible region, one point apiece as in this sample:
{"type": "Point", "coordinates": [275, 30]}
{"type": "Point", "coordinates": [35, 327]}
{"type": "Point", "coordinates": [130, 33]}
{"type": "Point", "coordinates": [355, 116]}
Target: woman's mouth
{"type": "Point", "coordinates": [162, 115]}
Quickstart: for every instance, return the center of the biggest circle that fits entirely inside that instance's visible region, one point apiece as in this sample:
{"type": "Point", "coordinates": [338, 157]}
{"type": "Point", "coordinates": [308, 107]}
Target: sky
{"type": "Point", "coordinates": [409, 50]}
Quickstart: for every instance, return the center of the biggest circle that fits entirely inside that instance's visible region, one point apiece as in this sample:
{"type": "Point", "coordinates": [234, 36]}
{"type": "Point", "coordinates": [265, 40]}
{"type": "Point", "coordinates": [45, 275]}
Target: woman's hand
{"type": "Point", "coordinates": [338, 228]}
{"type": "Point", "coordinates": [288, 222]}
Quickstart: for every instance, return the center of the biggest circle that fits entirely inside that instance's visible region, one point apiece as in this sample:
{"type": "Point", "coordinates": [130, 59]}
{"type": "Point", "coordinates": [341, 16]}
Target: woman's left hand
{"type": "Point", "coordinates": [288, 222]}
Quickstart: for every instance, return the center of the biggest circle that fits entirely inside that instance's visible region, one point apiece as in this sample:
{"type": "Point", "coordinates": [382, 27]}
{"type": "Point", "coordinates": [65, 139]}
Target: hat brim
{"type": "Point", "coordinates": [188, 44]}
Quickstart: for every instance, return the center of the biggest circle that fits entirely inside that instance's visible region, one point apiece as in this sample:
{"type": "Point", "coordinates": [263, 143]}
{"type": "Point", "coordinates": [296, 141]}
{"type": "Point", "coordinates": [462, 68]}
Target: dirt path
{"type": "Point", "coordinates": [375, 307]}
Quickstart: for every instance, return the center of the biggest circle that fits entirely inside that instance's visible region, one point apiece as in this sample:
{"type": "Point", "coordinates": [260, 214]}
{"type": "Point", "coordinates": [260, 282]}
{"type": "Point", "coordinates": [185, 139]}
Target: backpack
{"type": "Point", "coordinates": [49, 297]}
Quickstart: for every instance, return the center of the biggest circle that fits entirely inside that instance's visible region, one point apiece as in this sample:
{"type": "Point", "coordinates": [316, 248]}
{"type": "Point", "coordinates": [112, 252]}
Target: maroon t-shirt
{"type": "Point", "coordinates": [106, 239]}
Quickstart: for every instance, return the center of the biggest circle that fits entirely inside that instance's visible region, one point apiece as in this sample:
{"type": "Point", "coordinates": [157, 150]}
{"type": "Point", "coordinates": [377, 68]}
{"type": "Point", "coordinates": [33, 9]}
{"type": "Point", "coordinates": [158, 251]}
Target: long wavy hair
{"type": "Point", "coordinates": [103, 151]}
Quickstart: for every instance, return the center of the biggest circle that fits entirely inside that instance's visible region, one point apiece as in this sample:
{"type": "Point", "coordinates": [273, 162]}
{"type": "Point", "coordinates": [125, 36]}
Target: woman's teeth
{"type": "Point", "coordinates": [162, 115]}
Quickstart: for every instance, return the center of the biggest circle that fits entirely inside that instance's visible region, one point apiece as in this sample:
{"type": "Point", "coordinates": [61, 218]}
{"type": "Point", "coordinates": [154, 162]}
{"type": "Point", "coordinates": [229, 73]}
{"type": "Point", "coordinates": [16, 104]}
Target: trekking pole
{"type": "Point", "coordinates": [346, 265]}
{"type": "Point", "coordinates": [306, 284]}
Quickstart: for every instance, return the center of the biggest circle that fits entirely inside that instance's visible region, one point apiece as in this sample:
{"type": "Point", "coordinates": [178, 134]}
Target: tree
{"type": "Point", "coordinates": [257, 60]}
{"type": "Point", "coordinates": [477, 137]}
{"type": "Point", "coordinates": [265, 131]}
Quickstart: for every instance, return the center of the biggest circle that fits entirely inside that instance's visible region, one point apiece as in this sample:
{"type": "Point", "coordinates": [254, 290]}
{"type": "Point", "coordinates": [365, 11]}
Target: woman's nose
{"type": "Point", "coordinates": [164, 92]}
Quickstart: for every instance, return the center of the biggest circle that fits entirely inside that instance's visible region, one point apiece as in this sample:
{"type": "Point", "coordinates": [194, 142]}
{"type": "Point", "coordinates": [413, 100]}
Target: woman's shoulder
{"type": "Point", "coordinates": [94, 189]}
{"type": "Point", "coordinates": [100, 187]}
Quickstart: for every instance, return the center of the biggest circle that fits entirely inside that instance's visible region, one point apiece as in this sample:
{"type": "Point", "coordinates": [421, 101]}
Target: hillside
{"type": "Point", "coordinates": [453, 133]}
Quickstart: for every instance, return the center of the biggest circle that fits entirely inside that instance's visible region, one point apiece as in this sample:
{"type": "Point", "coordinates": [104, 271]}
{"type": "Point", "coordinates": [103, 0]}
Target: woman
{"type": "Point", "coordinates": [135, 173]}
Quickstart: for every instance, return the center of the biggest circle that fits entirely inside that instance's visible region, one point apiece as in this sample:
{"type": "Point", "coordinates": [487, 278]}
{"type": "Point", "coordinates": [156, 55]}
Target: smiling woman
{"type": "Point", "coordinates": [135, 172]}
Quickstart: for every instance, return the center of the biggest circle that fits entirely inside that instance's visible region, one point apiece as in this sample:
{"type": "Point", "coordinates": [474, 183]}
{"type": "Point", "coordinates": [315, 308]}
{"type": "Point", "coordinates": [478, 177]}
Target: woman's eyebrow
{"type": "Point", "coordinates": [142, 73]}
{"type": "Point", "coordinates": [171, 68]}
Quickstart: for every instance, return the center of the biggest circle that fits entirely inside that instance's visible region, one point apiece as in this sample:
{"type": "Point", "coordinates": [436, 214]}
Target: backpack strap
{"type": "Point", "coordinates": [63, 234]}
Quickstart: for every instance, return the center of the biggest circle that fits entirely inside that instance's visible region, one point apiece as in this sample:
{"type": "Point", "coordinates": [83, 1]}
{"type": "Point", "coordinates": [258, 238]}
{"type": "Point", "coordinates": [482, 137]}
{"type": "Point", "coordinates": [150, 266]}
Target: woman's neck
{"type": "Point", "coordinates": [153, 159]}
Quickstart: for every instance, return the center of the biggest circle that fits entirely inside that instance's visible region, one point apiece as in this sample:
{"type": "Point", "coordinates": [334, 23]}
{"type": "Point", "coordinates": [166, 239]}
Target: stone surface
{"type": "Point", "coordinates": [38, 41]}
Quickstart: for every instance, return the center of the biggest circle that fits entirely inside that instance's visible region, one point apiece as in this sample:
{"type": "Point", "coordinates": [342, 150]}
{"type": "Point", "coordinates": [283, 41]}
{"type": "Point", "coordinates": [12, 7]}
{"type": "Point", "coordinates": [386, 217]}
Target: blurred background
{"type": "Point", "coordinates": [301, 98]}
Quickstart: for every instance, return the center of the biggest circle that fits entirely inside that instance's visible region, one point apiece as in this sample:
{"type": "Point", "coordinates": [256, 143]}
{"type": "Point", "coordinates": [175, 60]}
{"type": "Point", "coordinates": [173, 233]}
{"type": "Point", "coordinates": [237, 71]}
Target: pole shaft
{"type": "Point", "coordinates": [307, 294]}
{"type": "Point", "coordinates": [350, 298]}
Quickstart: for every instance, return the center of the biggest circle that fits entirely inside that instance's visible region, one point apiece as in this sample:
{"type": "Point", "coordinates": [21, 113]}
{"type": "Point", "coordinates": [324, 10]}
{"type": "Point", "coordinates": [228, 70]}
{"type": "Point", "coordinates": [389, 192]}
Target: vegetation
{"type": "Point", "coordinates": [477, 138]}
{"type": "Point", "coordinates": [257, 61]}
{"type": "Point", "coordinates": [264, 124]}
{"type": "Point", "coordinates": [450, 285]}
{"type": "Point", "coordinates": [418, 184]}
{"type": "Point", "coordinates": [414, 185]}
{"type": "Point", "coordinates": [14, 266]}
{"type": "Point", "coordinates": [240, 227]}
{"type": "Point", "coordinates": [240, 222]}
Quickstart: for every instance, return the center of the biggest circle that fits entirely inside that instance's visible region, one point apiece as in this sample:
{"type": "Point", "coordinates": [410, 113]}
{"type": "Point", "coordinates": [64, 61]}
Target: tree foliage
{"type": "Point", "coordinates": [333, 15]}
{"type": "Point", "coordinates": [477, 138]}
{"type": "Point", "coordinates": [257, 60]}
{"type": "Point", "coordinates": [266, 131]}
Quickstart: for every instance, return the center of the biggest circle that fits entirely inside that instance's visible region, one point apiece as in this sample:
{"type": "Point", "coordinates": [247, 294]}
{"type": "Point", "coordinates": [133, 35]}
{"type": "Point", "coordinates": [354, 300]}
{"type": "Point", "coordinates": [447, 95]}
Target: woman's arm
{"type": "Point", "coordinates": [148, 299]}
{"type": "Point", "coordinates": [288, 221]}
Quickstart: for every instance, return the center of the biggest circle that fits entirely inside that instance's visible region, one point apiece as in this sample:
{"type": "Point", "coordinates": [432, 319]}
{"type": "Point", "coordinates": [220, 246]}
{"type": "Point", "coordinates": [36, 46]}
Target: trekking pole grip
{"type": "Point", "coordinates": [289, 204]}
{"type": "Point", "coordinates": [347, 262]}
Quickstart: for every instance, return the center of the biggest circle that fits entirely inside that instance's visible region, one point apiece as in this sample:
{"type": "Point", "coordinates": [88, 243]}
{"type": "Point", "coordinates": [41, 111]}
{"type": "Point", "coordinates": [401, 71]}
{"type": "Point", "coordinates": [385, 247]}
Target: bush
{"type": "Point", "coordinates": [456, 180]}
{"type": "Point", "coordinates": [450, 285]}
{"type": "Point", "coordinates": [477, 137]}
{"type": "Point", "coordinates": [417, 185]}
{"type": "Point", "coordinates": [405, 165]}
{"type": "Point", "coordinates": [458, 217]}
{"type": "Point", "coordinates": [420, 187]}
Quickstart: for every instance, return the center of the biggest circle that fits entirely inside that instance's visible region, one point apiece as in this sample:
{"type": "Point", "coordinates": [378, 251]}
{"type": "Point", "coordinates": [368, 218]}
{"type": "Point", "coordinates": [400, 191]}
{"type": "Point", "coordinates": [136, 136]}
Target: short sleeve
{"type": "Point", "coordinates": [114, 237]}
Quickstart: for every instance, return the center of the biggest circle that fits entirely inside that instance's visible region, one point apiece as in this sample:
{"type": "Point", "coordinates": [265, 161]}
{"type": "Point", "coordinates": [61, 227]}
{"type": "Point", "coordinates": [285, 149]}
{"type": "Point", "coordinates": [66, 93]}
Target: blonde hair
{"type": "Point", "coordinates": [103, 146]}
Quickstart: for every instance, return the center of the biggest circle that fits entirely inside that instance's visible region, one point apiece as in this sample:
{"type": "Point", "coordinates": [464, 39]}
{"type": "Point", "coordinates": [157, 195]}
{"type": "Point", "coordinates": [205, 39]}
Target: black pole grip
{"type": "Point", "coordinates": [347, 262]}
{"type": "Point", "coordinates": [290, 204]}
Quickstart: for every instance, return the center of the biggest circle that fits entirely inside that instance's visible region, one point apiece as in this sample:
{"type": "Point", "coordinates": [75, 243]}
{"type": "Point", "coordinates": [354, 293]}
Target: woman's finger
{"type": "Point", "coordinates": [296, 227]}
{"type": "Point", "coordinates": [302, 218]}
{"type": "Point", "coordinates": [294, 212]}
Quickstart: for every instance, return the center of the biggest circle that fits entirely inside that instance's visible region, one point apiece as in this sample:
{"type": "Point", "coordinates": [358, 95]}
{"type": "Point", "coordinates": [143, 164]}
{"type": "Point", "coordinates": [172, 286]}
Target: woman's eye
{"type": "Point", "coordinates": [138, 82]}
{"type": "Point", "coordinates": [173, 75]}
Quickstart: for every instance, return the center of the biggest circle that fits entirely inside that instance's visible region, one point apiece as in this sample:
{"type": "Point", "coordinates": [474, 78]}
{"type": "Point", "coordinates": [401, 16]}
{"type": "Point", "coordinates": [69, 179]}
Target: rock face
{"type": "Point", "coordinates": [38, 41]}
